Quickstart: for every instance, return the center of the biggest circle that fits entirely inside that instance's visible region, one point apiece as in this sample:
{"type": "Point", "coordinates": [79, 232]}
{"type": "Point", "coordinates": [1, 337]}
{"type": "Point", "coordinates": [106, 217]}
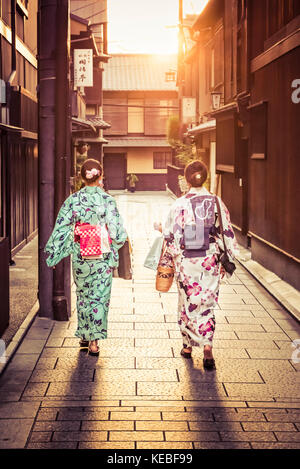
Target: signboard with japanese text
{"type": "Point", "coordinates": [83, 67]}
{"type": "Point", "coordinates": [188, 110]}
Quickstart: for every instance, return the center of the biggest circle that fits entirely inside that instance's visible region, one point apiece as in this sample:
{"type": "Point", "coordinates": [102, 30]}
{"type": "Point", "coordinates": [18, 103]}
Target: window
{"type": "Point", "coordinates": [161, 159]}
{"type": "Point", "coordinates": [136, 116]}
{"type": "Point", "coordinates": [170, 75]}
{"type": "Point", "coordinates": [259, 125]}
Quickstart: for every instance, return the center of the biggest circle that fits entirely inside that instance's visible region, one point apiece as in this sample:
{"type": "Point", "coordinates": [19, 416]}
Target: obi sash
{"type": "Point", "coordinates": [94, 240]}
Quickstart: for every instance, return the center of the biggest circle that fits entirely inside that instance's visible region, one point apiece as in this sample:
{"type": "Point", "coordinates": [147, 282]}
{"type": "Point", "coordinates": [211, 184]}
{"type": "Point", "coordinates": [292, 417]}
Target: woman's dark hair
{"type": "Point", "coordinates": [196, 173]}
{"type": "Point", "coordinates": [87, 167]}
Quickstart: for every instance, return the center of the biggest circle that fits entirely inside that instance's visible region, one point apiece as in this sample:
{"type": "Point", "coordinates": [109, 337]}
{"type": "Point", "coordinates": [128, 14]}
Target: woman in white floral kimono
{"type": "Point", "coordinates": [194, 242]}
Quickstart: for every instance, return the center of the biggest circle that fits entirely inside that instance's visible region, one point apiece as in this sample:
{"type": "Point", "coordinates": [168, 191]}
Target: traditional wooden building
{"type": "Point", "coordinates": [139, 95]}
{"type": "Point", "coordinates": [87, 121]}
{"type": "Point", "coordinates": [252, 63]}
{"type": "Point", "coordinates": [18, 121]}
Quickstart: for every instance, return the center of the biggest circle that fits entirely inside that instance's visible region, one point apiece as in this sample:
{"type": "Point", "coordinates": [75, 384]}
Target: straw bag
{"type": "Point", "coordinates": [164, 274]}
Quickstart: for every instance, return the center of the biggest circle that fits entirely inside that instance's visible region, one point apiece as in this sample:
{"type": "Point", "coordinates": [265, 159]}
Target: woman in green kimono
{"type": "Point", "coordinates": [93, 277]}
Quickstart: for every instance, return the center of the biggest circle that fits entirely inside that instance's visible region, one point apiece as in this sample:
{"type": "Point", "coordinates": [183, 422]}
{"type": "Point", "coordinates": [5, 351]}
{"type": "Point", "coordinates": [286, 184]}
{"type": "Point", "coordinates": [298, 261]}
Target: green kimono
{"type": "Point", "coordinates": [93, 277]}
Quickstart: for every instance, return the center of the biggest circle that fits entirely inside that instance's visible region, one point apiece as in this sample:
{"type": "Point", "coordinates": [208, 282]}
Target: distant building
{"type": "Point", "coordinates": [18, 122]}
{"type": "Point", "coordinates": [139, 96]}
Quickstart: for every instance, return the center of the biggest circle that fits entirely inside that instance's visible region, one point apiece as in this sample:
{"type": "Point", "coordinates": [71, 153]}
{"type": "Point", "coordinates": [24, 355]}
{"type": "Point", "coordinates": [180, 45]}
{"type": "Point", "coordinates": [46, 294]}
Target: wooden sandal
{"type": "Point", "coordinates": [186, 354]}
{"type": "Point", "coordinates": [91, 352]}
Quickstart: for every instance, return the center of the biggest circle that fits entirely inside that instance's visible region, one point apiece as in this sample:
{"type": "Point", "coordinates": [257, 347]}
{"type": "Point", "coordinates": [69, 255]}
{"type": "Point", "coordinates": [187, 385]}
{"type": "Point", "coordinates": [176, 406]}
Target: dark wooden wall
{"type": "Point", "coordinates": [274, 181]}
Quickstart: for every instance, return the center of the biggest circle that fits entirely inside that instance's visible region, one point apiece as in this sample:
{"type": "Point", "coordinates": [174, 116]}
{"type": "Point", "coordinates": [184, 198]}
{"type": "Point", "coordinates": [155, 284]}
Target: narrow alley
{"type": "Point", "coordinates": [140, 393]}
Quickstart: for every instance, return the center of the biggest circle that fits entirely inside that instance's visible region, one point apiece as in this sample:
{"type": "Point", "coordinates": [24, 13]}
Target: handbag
{"type": "Point", "coordinates": [223, 257]}
{"type": "Point", "coordinates": [154, 255]}
{"type": "Point", "coordinates": [164, 274]}
{"type": "Point", "coordinates": [124, 268]}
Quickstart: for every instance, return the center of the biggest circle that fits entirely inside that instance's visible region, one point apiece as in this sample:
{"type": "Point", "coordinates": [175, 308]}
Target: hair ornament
{"type": "Point", "coordinates": [89, 174]}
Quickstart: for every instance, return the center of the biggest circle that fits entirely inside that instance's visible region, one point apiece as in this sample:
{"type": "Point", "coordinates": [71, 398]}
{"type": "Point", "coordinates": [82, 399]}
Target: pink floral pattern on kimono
{"type": "Point", "coordinates": [197, 278]}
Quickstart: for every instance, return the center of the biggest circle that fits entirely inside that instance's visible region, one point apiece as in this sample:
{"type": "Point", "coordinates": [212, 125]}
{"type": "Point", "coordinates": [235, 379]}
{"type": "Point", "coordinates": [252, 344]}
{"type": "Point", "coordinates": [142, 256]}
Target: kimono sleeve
{"type": "Point", "coordinates": [61, 242]}
{"type": "Point", "coordinates": [115, 226]}
{"type": "Point", "coordinates": [172, 229]}
{"type": "Point", "coordinates": [229, 236]}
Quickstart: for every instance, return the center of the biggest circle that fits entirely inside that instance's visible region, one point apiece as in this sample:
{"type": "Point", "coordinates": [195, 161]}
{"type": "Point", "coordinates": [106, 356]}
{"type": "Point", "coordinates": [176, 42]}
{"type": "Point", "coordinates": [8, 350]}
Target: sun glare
{"type": "Point", "coordinates": [140, 26]}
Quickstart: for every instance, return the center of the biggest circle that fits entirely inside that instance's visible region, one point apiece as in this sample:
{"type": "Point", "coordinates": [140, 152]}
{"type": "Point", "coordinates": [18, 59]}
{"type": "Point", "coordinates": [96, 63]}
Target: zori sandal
{"type": "Point", "coordinates": [94, 353]}
{"type": "Point", "coordinates": [186, 354]}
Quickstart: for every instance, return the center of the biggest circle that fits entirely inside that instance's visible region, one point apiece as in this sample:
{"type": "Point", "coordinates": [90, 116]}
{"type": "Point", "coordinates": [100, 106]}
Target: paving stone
{"type": "Point", "coordinates": [46, 363]}
{"type": "Point", "coordinates": [288, 436]}
{"type": "Point", "coordinates": [31, 346]}
{"type": "Point", "coordinates": [37, 437]}
{"type": "Point", "coordinates": [136, 436]}
{"type": "Point", "coordinates": [247, 436]}
{"type": "Point", "coordinates": [88, 389]}
{"type": "Point", "coordinates": [215, 426]}
{"type": "Point", "coordinates": [52, 402]}
{"type": "Point", "coordinates": [89, 362]}
{"type": "Point", "coordinates": [66, 426]}
{"type": "Point", "coordinates": [275, 445]}
{"type": "Point", "coordinates": [69, 414]}
{"type": "Point", "coordinates": [80, 436]}
{"type": "Point", "coordinates": [18, 410]}
{"type": "Point", "coordinates": [109, 425]}
{"type": "Point", "coordinates": [35, 389]}
{"type": "Point", "coordinates": [47, 414]}
{"type": "Point", "coordinates": [202, 415]}
{"type": "Point", "coordinates": [53, 445]}
{"type": "Point", "coordinates": [272, 416]}
{"type": "Point", "coordinates": [160, 363]}
{"type": "Point", "coordinates": [161, 425]}
{"type": "Point", "coordinates": [23, 362]}
{"type": "Point", "coordinates": [192, 436]}
{"type": "Point", "coordinates": [136, 375]}
{"type": "Point", "coordinates": [135, 415]}
{"type": "Point", "coordinates": [14, 432]}
{"type": "Point", "coordinates": [178, 389]}
{"type": "Point", "coordinates": [40, 376]}
{"type": "Point", "coordinates": [221, 445]}
{"type": "Point", "coordinates": [165, 445]}
{"type": "Point", "coordinates": [268, 427]}
{"type": "Point", "coordinates": [261, 390]}
{"type": "Point", "coordinates": [106, 445]}
{"type": "Point", "coordinates": [228, 374]}
{"type": "Point", "coordinates": [229, 415]}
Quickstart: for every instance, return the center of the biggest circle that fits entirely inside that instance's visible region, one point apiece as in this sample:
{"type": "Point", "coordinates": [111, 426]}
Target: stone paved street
{"type": "Point", "coordinates": [140, 393]}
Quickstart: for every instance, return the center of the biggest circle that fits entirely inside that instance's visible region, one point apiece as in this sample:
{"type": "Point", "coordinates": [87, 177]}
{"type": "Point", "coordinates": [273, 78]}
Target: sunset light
{"type": "Point", "coordinates": [139, 26]}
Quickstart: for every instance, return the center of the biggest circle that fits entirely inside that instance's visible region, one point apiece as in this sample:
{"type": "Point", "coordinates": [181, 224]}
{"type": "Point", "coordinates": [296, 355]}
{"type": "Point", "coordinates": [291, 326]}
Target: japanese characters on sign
{"type": "Point", "coordinates": [83, 67]}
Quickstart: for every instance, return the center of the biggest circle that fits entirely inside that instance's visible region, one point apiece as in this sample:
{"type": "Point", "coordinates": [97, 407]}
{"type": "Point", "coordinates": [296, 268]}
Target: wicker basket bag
{"type": "Point", "coordinates": [164, 274]}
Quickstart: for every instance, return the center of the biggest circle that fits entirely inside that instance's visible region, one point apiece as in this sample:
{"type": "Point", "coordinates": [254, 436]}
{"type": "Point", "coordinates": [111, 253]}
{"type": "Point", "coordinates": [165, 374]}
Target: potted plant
{"type": "Point", "coordinates": [132, 180]}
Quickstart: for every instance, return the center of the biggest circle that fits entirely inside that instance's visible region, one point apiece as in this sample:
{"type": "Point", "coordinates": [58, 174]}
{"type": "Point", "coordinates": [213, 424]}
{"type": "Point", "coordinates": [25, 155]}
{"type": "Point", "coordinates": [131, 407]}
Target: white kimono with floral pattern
{"type": "Point", "coordinates": [198, 274]}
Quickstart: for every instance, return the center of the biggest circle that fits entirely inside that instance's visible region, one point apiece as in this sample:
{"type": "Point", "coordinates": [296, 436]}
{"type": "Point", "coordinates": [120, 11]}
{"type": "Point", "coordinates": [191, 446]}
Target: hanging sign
{"type": "Point", "coordinates": [188, 110]}
{"type": "Point", "coordinates": [83, 67]}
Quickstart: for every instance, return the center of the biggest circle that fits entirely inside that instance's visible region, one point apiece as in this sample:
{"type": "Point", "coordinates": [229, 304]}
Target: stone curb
{"type": "Point", "coordinates": [19, 336]}
{"type": "Point", "coordinates": [253, 268]}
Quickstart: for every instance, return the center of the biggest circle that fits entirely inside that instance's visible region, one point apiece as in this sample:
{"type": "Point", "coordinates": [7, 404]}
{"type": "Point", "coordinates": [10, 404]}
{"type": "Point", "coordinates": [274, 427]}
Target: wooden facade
{"type": "Point", "coordinates": [256, 58]}
{"type": "Point", "coordinates": [18, 122]}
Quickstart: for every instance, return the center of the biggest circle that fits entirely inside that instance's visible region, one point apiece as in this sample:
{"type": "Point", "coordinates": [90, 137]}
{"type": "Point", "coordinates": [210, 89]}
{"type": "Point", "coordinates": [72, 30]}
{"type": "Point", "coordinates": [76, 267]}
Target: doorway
{"type": "Point", "coordinates": [115, 170]}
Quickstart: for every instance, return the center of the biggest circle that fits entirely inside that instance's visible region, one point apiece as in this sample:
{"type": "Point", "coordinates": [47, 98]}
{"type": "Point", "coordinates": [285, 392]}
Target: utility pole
{"type": "Point", "coordinates": [62, 137]}
{"type": "Point", "coordinates": [54, 145]}
{"type": "Point", "coordinates": [46, 95]}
